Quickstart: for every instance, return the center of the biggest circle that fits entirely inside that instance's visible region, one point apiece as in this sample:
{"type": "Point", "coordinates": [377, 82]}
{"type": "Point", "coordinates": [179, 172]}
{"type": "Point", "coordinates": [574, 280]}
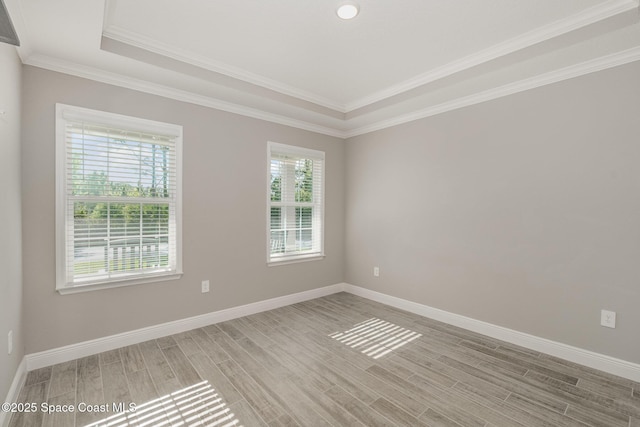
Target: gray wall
{"type": "Point", "coordinates": [523, 212]}
{"type": "Point", "coordinates": [10, 249]}
{"type": "Point", "coordinates": [224, 208]}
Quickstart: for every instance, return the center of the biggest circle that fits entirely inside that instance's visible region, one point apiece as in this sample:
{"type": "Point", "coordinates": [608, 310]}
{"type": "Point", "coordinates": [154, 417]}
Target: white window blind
{"type": "Point", "coordinates": [296, 203]}
{"type": "Point", "coordinates": [118, 199]}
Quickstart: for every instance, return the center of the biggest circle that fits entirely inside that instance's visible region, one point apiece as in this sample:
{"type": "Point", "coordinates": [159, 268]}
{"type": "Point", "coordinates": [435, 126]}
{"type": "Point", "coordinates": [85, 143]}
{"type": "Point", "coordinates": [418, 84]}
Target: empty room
{"type": "Point", "coordinates": [320, 213]}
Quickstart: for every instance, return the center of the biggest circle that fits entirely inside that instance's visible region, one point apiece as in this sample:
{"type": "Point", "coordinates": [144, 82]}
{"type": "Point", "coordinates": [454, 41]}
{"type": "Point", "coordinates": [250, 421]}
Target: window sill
{"type": "Point", "coordinates": [295, 260]}
{"type": "Point", "coordinates": [117, 284]}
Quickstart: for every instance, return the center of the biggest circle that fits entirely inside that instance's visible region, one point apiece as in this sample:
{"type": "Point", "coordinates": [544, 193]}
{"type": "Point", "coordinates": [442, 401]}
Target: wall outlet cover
{"type": "Point", "coordinates": [205, 286]}
{"type": "Point", "coordinates": [608, 318]}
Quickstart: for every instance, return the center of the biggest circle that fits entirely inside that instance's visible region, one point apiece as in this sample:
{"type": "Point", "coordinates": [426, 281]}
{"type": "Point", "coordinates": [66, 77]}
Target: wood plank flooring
{"type": "Point", "coordinates": [340, 360]}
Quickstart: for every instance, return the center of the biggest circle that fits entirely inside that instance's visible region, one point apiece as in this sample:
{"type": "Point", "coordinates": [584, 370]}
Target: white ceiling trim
{"type": "Point", "coordinates": [591, 66]}
{"type": "Point", "coordinates": [587, 67]}
{"type": "Point", "coordinates": [140, 41]}
{"type": "Point", "coordinates": [91, 73]}
{"type": "Point", "coordinates": [587, 17]}
{"type": "Point", "coordinates": [547, 32]}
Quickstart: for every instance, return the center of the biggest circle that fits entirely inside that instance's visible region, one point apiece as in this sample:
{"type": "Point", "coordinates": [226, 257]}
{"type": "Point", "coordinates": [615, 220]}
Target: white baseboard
{"type": "Point", "coordinates": [584, 357]}
{"type": "Point", "coordinates": [88, 348]}
{"type": "Point", "coordinates": [14, 391]}
{"type": "Point", "coordinates": [574, 354]}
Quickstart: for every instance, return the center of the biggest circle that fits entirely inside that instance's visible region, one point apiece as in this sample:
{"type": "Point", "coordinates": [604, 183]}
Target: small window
{"type": "Point", "coordinates": [295, 204]}
{"type": "Point", "coordinates": [118, 203]}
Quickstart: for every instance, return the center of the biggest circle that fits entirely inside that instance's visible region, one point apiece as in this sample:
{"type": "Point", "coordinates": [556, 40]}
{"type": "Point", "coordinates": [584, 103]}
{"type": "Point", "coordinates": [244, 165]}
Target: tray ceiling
{"type": "Point", "coordinates": [296, 63]}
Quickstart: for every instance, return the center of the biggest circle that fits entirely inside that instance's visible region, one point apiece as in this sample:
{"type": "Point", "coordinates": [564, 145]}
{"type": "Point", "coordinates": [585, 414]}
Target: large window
{"type": "Point", "coordinates": [118, 202]}
{"type": "Point", "coordinates": [295, 203]}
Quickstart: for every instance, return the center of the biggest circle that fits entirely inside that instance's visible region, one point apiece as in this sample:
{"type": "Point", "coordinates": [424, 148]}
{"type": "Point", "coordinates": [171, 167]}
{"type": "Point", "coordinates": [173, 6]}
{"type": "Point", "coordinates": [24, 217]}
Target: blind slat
{"type": "Point", "coordinates": [296, 202]}
{"type": "Point", "coordinates": [120, 209]}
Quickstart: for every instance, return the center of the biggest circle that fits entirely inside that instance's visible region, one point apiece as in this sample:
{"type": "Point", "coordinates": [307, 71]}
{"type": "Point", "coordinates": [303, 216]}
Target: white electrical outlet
{"type": "Point", "coordinates": [376, 271]}
{"type": "Point", "coordinates": [10, 342]}
{"type": "Point", "coordinates": [608, 318]}
{"type": "Point", "coordinates": [205, 286]}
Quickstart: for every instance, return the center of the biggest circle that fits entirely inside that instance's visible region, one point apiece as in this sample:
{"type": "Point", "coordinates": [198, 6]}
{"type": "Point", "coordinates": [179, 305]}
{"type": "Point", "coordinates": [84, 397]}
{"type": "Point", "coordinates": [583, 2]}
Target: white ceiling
{"type": "Point", "coordinates": [295, 62]}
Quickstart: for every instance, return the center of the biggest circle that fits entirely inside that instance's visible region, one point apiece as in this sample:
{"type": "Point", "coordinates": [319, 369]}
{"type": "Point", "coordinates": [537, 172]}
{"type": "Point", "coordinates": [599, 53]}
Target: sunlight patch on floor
{"type": "Point", "coordinates": [196, 405]}
{"type": "Point", "coordinates": [375, 337]}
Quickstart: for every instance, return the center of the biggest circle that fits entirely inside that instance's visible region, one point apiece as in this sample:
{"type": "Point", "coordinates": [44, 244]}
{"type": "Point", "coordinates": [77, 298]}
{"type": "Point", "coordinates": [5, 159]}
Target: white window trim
{"type": "Point", "coordinates": [70, 112]}
{"type": "Point", "coordinates": [303, 152]}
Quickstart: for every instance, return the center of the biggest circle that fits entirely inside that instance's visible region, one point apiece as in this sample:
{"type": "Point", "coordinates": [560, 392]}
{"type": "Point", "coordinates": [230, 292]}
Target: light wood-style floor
{"type": "Point", "coordinates": [334, 361]}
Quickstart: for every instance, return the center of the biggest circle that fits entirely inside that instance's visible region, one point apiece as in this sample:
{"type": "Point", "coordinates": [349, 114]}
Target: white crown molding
{"type": "Point", "coordinates": [589, 16]}
{"type": "Point", "coordinates": [140, 41]}
{"type": "Point", "coordinates": [88, 348]}
{"type": "Point", "coordinates": [14, 391]}
{"type": "Point", "coordinates": [576, 70]}
{"type": "Point", "coordinates": [588, 358]}
{"type": "Point", "coordinates": [66, 67]}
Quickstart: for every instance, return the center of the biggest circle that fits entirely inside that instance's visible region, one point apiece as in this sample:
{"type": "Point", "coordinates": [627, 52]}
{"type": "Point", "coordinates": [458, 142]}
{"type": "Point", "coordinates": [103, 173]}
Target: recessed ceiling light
{"type": "Point", "coordinates": [347, 10]}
